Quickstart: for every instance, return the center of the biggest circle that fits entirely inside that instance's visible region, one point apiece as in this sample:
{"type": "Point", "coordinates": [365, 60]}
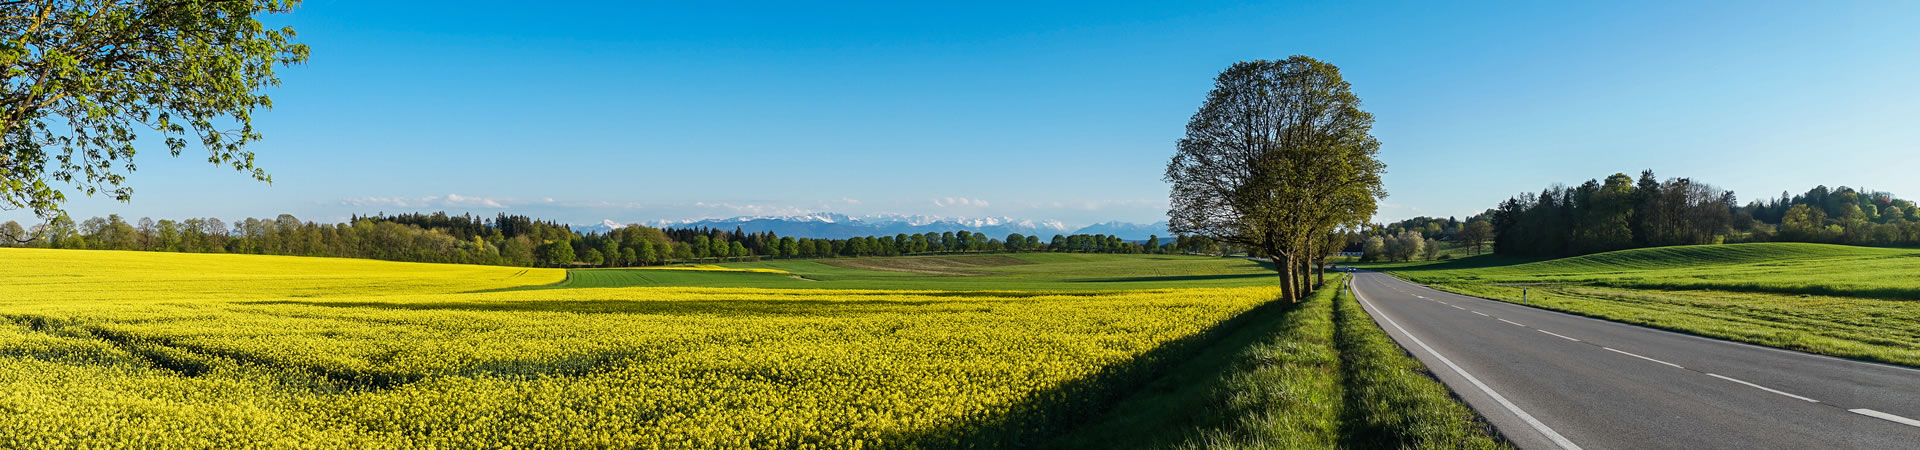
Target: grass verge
{"type": "Point", "coordinates": [1848, 327]}
{"type": "Point", "coordinates": [1319, 374]}
{"type": "Point", "coordinates": [1391, 399]}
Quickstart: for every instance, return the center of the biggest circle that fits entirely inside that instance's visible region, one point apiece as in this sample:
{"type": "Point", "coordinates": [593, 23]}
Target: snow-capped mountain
{"type": "Point", "coordinates": [1125, 230]}
{"type": "Point", "coordinates": [605, 225]}
{"type": "Point", "coordinates": [841, 226]}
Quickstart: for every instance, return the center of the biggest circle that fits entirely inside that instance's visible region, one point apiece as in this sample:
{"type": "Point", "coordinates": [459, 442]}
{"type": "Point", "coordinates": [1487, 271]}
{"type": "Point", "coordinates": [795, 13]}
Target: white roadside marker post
{"type": "Point", "coordinates": [1523, 295]}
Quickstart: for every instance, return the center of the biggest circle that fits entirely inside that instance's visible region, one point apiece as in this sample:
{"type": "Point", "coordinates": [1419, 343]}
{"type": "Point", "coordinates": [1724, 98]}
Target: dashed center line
{"type": "Point", "coordinates": [1481, 313]}
{"type": "Point", "coordinates": [1512, 322]}
{"type": "Point", "coordinates": [1458, 307]}
{"type": "Point", "coordinates": [1888, 417]}
{"type": "Point", "coordinates": [1676, 366]}
{"type": "Point", "coordinates": [1559, 336]}
{"type": "Point", "coordinates": [1764, 388]}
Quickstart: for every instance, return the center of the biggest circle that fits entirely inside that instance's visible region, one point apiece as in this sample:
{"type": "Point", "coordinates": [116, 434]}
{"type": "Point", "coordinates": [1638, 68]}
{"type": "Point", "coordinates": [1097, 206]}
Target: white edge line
{"type": "Point", "coordinates": [1764, 388]}
{"type": "Point", "coordinates": [1676, 366]}
{"type": "Point", "coordinates": [1528, 418]}
{"type": "Point", "coordinates": [1888, 417]}
{"type": "Point", "coordinates": [1512, 322]}
{"type": "Point", "coordinates": [1558, 335]}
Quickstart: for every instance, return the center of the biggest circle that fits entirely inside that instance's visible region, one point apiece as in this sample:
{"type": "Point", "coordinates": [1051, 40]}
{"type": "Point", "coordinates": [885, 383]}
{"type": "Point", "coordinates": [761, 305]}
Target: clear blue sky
{"type": "Point", "coordinates": [640, 111]}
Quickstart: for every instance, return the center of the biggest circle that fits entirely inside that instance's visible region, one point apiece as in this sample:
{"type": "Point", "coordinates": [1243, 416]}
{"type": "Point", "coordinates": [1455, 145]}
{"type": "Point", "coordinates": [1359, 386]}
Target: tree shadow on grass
{"type": "Point", "coordinates": [652, 307]}
{"type": "Point", "coordinates": [1471, 262]}
{"type": "Point", "coordinates": [1186, 367]}
{"type": "Point", "coordinates": [1237, 276]}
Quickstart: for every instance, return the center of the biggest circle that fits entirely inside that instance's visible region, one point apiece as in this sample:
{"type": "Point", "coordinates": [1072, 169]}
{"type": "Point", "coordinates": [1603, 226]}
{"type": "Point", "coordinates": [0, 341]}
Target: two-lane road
{"type": "Point", "coordinates": [1554, 380]}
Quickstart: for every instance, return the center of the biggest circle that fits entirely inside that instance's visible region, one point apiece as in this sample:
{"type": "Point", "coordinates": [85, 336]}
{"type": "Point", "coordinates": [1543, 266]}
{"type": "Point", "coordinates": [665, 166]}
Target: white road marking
{"type": "Point", "coordinates": [1559, 336]}
{"type": "Point", "coordinates": [1676, 366]}
{"type": "Point", "coordinates": [1512, 322]}
{"type": "Point", "coordinates": [1458, 307]}
{"type": "Point", "coordinates": [1481, 313]}
{"type": "Point", "coordinates": [1889, 417]}
{"type": "Point", "coordinates": [1764, 388]}
{"type": "Point", "coordinates": [1528, 418]}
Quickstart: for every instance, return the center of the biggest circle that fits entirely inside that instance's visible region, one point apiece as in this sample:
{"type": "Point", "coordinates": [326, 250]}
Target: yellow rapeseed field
{"type": "Point", "coordinates": [169, 350]}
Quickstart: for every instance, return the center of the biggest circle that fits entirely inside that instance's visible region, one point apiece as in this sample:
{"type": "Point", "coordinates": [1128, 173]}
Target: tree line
{"type": "Point", "coordinates": [513, 240]}
{"type": "Point", "coordinates": [1621, 212]}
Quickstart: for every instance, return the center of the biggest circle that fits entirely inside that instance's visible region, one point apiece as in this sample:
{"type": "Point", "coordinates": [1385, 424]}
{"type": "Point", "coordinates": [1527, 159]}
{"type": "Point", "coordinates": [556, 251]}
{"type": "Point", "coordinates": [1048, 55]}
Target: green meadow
{"type": "Point", "coordinates": [1855, 302]}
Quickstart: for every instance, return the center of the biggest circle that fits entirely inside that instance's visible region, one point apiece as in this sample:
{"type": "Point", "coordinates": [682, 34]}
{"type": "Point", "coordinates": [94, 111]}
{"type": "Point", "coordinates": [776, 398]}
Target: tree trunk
{"type": "Point", "coordinates": [1284, 265]}
{"type": "Point", "coordinates": [1306, 277]}
{"type": "Point", "coordinates": [1320, 270]}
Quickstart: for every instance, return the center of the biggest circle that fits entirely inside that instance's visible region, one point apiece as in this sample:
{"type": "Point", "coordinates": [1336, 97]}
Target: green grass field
{"type": "Point", "coordinates": [1856, 302]}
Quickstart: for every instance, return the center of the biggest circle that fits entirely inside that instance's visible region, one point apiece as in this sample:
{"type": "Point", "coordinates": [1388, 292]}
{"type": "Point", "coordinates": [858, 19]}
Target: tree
{"type": "Point", "coordinates": [558, 253]}
{"type": "Point", "coordinates": [517, 251]}
{"type": "Point", "coordinates": [1476, 234]}
{"type": "Point", "coordinates": [11, 233]}
{"type": "Point", "coordinates": [1804, 223]}
{"type": "Point", "coordinates": [1406, 245]}
{"type": "Point", "coordinates": [1374, 249]}
{"type": "Point", "coordinates": [611, 254]}
{"type": "Point", "coordinates": [736, 249]}
{"type": "Point", "coordinates": [1279, 155]}
{"type": "Point", "coordinates": [1431, 250]}
{"type": "Point", "coordinates": [1015, 242]}
{"type": "Point", "coordinates": [701, 246]}
{"type": "Point", "coordinates": [1153, 243]}
{"type": "Point", "coordinates": [83, 76]}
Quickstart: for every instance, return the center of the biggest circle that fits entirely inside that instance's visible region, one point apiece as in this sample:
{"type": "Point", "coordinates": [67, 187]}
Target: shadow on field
{"type": "Point", "coordinates": [1178, 278]}
{"type": "Point", "coordinates": [1470, 262]}
{"type": "Point", "coordinates": [1078, 413]}
{"type": "Point", "coordinates": [658, 307]}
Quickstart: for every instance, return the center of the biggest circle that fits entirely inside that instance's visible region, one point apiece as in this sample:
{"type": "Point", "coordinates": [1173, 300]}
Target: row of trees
{"type": "Point", "coordinates": [1837, 216]}
{"type": "Point", "coordinates": [1616, 214]}
{"type": "Point", "coordinates": [523, 241]}
{"type": "Point", "coordinates": [1621, 213]}
{"type": "Point", "coordinates": [1403, 246]}
{"type": "Point", "coordinates": [363, 237]}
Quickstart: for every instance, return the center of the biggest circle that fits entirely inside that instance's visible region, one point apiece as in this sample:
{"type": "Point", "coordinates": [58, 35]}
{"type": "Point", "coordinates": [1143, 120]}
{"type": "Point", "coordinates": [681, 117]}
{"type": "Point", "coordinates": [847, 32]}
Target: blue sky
{"type": "Point", "coordinates": [1066, 111]}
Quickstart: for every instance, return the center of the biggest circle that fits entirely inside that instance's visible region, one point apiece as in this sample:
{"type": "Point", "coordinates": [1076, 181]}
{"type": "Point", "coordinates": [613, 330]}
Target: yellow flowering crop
{"type": "Point", "coordinates": [122, 349]}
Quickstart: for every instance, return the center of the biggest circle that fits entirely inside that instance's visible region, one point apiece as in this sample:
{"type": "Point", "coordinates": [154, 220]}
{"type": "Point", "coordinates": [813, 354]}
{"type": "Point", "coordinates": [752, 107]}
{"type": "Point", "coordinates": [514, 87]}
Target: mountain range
{"type": "Point", "coordinates": [841, 226]}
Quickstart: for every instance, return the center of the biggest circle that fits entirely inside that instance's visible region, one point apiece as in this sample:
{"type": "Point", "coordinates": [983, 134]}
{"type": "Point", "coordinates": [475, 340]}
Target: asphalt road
{"type": "Point", "coordinates": [1553, 380]}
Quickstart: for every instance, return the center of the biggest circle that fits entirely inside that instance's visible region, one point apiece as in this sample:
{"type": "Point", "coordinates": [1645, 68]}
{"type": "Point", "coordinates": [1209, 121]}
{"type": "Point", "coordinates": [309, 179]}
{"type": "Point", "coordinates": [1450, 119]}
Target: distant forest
{"type": "Point", "coordinates": [1621, 212]}
{"type": "Point", "coordinates": [513, 240]}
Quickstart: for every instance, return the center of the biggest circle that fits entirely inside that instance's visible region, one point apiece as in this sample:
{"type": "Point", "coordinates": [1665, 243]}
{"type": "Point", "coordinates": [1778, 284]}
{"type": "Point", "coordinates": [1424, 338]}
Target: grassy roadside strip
{"type": "Point", "coordinates": [1318, 374]}
{"type": "Point", "coordinates": [1847, 327]}
{"type": "Point", "coordinates": [1391, 400]}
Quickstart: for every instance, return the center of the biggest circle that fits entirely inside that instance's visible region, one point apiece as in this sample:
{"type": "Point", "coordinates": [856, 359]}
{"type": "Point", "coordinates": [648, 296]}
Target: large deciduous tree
{"type": "Point", "coordinates": [1278, 156]}
{"type": "Point", "coordinates": [84, 76]}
